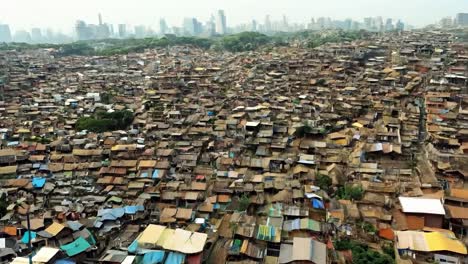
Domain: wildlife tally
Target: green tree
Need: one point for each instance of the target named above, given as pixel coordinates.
(103, 121)
(3, 204)
(303, 130)
(245, 41)
(76, 48)
(350, 192)
(244, 202)
(106, 98)
(362, 253)
(324, 182)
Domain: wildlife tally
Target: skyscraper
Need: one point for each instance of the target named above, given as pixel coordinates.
(321, 22)
(49, 35)
(347, 24)
(189, 26)
(221, 26)
(267, 24)
(140, 31)
(378, 23)
(389, 24)
(253, 25)
(82, 30)
(446, 22)
(163, 29)
(102, 29)
(368, 23)
(198, 27)
(122, 30)
(462, 19)
(36, 35)
(211, 26)
(22, 36)
(400, 26)
(5, 33)
(111, 29)
(312, 24)
(284, 24)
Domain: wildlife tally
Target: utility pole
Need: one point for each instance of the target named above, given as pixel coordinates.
(2, 88)
(29, 236)
(422, 116)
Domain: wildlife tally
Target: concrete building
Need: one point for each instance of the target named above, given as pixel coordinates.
(389, 25)
(267, 26)
(192, 27)
(140, 31)
(462, 19)
(36, 35)
(210, 27)
(163, 28)
(122, 30)
(368, 23)
(5, 33)
(446, 22)
(82, 30)
(253, 25)
(400, 26)
(22, 36)
(221, 26)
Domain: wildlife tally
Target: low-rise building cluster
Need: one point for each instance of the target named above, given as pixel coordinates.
(269, 156)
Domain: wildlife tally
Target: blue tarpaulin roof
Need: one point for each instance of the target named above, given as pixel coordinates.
(74, 225)
(111, 214)
(132, 209)
(65, 261)
(76, 247)
(116, 213)
(156, 256)
(175, 258)
(25, 238)
(133, 248)
(38, 182)
(155, 174)
(318, 204)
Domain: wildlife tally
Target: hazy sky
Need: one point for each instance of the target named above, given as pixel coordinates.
(62, 14)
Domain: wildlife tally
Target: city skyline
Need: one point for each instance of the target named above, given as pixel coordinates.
(61, 16)
(216, 25)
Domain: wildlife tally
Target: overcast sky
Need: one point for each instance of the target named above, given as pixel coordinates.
(62, 14)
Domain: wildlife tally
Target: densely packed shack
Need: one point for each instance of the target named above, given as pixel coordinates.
(348, 152)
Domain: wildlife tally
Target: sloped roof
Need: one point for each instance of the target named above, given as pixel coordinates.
(54, 228)
(457, 212)
(421, 205)
(303, 249)
(429, 242)
(76, 247)
(179, 240)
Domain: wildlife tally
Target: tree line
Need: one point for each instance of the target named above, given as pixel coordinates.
(245, 41)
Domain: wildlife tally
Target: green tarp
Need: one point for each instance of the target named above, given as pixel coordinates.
(76, 247)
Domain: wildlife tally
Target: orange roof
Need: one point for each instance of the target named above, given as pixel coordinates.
(10, 230)
(223, 198)
(387, 233)
(457, 212)
(459, 193)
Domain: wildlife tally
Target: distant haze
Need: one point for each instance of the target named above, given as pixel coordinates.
(62, 14)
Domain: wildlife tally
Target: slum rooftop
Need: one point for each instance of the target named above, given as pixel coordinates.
(185, 155)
